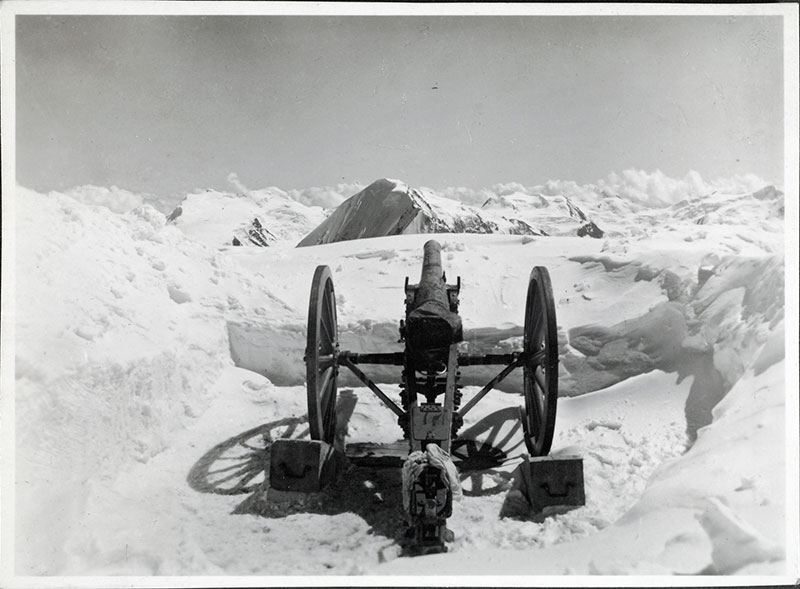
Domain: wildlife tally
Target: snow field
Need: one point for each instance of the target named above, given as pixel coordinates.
(607, 429)
(137, 421)
(150, 522)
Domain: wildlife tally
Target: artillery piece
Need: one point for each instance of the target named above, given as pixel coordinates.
(430, 412)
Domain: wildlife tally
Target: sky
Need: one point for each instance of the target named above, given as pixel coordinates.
(168, 104)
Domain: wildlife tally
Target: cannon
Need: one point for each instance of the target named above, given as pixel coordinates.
(429, 410)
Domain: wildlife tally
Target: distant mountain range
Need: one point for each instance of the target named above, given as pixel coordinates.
(391, 207)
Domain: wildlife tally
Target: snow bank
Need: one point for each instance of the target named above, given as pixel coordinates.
(120, 327)
(718, 509)
(733, 479)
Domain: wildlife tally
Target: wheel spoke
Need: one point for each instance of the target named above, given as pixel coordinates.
(323, 383)
(534, 415)
(538, 402)
(323, 412)
(328, 407)
(324, 305)
(538, 322)
(329, 339)
(537, 358)
(532, 405)
(329, 413)
(538, 374)
(330, 318)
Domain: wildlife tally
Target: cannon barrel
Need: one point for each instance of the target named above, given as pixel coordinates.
(430, 324)
(431, 283)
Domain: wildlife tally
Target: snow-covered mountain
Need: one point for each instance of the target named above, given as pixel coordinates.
(764, 207)
(553, 214)
(256, 218)
(390, 207)
(155, 364)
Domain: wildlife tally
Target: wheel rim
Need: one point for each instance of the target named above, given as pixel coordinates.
(540, 345)
(322, 347)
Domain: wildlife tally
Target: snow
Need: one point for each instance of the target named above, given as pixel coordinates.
(215, 218)
(650, 204)
(155, 363)
(627, 192)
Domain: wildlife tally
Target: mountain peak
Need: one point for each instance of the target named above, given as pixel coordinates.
(391, 207)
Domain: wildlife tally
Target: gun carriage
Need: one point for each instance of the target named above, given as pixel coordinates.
(429, 410)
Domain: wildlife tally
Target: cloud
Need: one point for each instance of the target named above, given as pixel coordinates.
(327, 197)
(568, 188)
(507, 188)
(650, 189)
(114, 198)
(656, 189)
(233, 180)
(739, 184)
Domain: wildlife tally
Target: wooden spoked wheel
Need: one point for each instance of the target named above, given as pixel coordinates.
(540, 344)
(322, 348)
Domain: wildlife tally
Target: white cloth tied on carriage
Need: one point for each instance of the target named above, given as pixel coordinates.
(432, 456)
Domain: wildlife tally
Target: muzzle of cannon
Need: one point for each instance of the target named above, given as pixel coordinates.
(432, 322)
(429, 410)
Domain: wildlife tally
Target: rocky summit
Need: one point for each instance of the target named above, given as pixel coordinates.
(390, 207)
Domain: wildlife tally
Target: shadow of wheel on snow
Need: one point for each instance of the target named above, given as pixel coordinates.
(372, 492)
(241, 464)
(482, 450)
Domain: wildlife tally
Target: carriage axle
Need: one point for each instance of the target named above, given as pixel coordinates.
(511, 362)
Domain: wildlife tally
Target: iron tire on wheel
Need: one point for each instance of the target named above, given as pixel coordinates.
(322, 348)
(540, 344)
